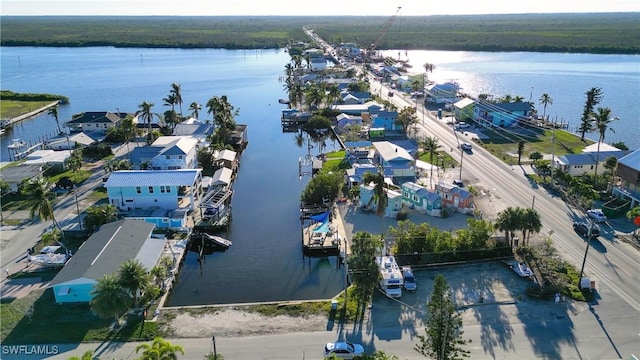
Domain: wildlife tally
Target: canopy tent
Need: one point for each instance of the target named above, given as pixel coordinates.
(320, 217)
(323, 228)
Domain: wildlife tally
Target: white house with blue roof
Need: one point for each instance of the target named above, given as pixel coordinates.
(394, 159)
(154, 189)
(167, 153)
(418, 197)
(585, 163)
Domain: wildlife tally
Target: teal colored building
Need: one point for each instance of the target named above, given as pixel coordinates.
(418, 197)
(103, 253)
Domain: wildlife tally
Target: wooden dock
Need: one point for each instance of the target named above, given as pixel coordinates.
(320, 244)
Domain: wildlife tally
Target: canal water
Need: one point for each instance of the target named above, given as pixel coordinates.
(265, 262)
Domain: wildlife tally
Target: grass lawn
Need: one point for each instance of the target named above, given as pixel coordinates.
(442, 159)
(13, 108)
(505, 145)
(68, 323)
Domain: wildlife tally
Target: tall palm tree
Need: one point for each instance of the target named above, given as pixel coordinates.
(520, 150)
(54, 112)
(379, 193)
(39, 197)
(314, 96)
(430, 145)
(109, 298)
(594, 96)
(159, 349)
(545, 100)
(531, 223)
(195, 109)
(133, 276)
(128, 131)
(333, 93)
(509, 220)
(602, 120)
(170, 100)
(428, 68)
(146, 115)
(177, 95)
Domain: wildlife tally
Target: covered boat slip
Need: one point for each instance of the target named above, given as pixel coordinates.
(320, 237)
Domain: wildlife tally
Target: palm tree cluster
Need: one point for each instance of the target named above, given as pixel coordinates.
(40, 199)
(512, 219)
(223, 114)
(115, 293)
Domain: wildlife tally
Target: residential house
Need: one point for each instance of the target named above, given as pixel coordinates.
(225, 159)
(585, 163)
(386, 120)
(358, 152)
(355, 174)
(463, 109)
(369, 202)
(419, 197)
(628, 187)
(455, 197)
(239, 138)
(370, 107)
(194, 129)
(442, 93)
(317, 61)
(102, 254)
(395, 160)
(49, 158)
(348, 120)
(349, 99)
(98, 121)
(354, 97)
(14, 175)
(154, 189)
(166, 153)
(223, 177)
(76, 140)
(501, 114)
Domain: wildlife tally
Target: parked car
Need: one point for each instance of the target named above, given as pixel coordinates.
(466, 147)
(409, 281)
(462, 125)
(597, 215)
(343, 350)
(582, 229)
(458, 183)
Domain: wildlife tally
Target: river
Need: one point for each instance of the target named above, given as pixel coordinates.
(265, 262)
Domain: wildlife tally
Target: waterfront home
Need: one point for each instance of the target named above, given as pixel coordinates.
(98, 121)
(370, 107)
(49, 158)
(386, 120)
(193, 128)
(463, 109)
(166, 153)
(77, 140)
(395, 159)
(442, 93)
(355, 174)
(239, 138)
(585, 163)
(501, 114)
(419, 197)
(628, 188)
(222, 178)
(154, 189)
(103, 253)
(455, 198)
(14, 175)
(225, 159)
(343, 120)
(369, 203)
(354, 97)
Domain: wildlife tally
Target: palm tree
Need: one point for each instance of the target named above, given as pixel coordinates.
(170, 100)
(133, 276)
(146, 115)
(195, 109)
(128, 131)
(88, 355)
(159, 349)
(109, 298)
(314, 96)
(602, 119)
(520, 150)
(39, 197)
(54, 112)
(177, 95)
(430, 145)
(223, 116)
(333, 93)
(379, 193)
(509, 221)
(530, 223)
(545, 100)
(594, 96)
(428, 68)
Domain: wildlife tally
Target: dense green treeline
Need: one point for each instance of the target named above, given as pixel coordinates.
(10, 95)
(616, 33)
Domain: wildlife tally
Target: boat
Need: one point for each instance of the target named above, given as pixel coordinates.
(217, 240)
(49, 259)
(520, 268)
(16, 144)
(284, 101)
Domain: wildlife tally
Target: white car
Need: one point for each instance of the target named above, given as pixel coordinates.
(597, 215)
(343, 350)
(466, 146)
(462, 125)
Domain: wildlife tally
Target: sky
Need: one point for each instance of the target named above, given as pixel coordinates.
(309, 7)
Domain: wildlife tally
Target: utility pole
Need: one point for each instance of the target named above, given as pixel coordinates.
(584, 260)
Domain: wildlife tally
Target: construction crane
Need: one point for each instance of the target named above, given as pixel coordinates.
(385, 29)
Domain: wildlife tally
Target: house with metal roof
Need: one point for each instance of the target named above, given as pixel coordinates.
(418, 197)
(154, 189)
(98, 121)
(368, 202)
(455, 197)
(396, 161)
(501, 114)
(222, 177)
(629, 174)
(442, 93)
(386, 120)
(69, 142)
(463, 109)
(585, 163)
(103, 253)
(166, 153)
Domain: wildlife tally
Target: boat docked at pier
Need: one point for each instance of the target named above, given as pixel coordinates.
(16, 144)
